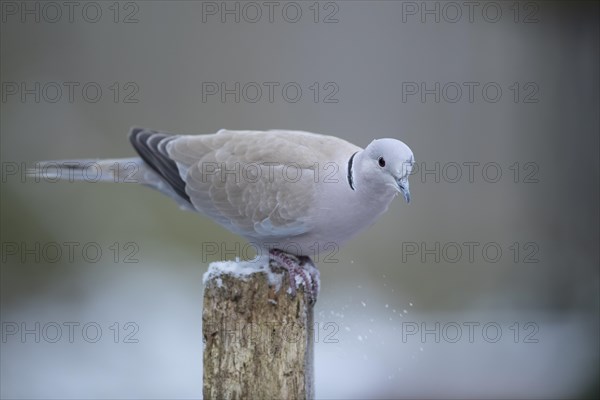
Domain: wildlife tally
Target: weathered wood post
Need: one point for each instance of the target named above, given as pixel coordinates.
(258, 340)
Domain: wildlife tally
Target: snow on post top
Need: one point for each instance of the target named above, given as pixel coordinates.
(240, 270)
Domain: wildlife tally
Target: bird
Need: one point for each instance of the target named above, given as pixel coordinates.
(289, 193)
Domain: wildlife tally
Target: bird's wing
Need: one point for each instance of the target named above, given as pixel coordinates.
(151, 146)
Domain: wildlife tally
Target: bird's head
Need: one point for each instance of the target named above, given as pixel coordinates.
(389, 162)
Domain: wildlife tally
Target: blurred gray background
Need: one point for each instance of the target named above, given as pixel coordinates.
(155, 60)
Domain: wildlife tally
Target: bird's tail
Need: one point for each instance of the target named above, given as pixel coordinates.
(119, 170)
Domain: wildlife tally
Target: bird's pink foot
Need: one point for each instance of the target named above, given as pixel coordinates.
(315, 276)
(298, 266)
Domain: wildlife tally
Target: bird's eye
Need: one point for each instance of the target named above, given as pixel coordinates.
(381, 162)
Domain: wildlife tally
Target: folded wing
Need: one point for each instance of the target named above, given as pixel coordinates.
(257, 184)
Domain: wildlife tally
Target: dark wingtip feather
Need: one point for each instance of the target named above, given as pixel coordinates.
(151, 146)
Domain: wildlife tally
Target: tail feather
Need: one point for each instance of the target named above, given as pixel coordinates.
(118, 170)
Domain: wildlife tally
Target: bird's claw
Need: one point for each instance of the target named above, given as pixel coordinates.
(299, 266)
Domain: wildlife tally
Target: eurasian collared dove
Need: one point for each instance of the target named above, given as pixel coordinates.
(291, 194)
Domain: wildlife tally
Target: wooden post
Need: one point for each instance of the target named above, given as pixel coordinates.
(258, 341)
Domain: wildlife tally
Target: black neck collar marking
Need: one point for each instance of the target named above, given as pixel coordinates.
(350, 177)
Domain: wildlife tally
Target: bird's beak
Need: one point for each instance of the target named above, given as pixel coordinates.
(403, 187)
